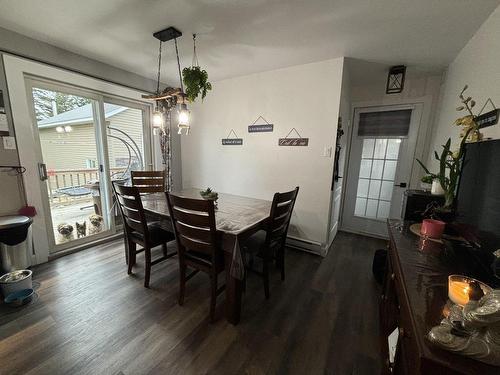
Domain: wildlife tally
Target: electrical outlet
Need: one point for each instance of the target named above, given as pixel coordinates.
(9, 143)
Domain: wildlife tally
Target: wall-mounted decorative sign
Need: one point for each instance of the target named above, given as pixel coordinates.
(260, 128)
(293, 141)
(235, 141)
(490, 118)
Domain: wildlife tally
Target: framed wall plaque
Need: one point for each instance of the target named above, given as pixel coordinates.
(232, 141)
(260, 128)
(288, 141)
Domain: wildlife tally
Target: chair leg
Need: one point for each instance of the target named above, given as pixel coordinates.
(213, 299)
(265, 276)
(182, 284)
(282, 264)
(147, 273)
(125, 240)
(132, 249)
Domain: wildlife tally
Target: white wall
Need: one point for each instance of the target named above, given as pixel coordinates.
(305, 97)
(477, 65)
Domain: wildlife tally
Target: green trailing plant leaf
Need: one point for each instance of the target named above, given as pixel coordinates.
(196, 82)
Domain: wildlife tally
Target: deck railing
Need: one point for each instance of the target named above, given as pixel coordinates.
(65, 178)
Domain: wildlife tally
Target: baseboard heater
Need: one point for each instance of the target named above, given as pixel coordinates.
(304, 245)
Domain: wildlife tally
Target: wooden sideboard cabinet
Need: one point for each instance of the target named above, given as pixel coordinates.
(415, 293)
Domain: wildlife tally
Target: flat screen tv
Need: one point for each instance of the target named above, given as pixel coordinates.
(478, 196)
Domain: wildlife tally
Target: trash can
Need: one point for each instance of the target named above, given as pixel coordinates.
(16, 244)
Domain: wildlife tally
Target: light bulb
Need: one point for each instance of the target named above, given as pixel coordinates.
(157, 119)
(60, 129)
(68, 129)
(183, 115)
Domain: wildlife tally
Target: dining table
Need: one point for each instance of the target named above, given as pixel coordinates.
(237, 218)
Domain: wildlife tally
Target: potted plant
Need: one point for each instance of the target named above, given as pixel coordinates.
(195, 82)
(426, 182)
(195, 79)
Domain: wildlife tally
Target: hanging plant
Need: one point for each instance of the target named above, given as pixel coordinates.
(195, 79)
(195, 82)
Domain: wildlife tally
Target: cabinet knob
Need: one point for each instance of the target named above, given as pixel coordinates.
(393, 276)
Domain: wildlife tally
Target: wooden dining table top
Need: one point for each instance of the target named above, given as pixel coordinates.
(234, 214)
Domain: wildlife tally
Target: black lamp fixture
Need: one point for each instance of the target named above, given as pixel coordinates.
(170, 97)
(396, 79)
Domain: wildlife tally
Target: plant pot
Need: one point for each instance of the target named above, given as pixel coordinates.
(436, 188)
(425, 186)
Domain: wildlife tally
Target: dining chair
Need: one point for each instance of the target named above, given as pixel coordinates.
(269, 244)
(138, 231)
(148, 181)
(197, 243)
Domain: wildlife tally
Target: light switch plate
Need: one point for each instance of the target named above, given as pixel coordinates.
(9, 143)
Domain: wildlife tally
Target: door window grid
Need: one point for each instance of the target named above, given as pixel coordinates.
(376, 177)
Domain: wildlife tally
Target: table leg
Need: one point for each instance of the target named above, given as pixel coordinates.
(234, 288)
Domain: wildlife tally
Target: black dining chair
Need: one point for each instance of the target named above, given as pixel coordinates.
(269, 244)
(139, 232)
(197, 243)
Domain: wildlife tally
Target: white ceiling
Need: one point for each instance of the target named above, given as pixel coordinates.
(238, 37)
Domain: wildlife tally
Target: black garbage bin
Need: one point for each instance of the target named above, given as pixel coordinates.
(16, 244)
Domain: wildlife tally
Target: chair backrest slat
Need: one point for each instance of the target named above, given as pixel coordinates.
(194, 224)
(281, 214)
(148, 181)
(129, 201)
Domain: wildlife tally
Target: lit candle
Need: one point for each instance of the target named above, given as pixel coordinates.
(458, 291)
(459, 288)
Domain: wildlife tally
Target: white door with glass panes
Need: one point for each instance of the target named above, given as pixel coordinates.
(380, 162)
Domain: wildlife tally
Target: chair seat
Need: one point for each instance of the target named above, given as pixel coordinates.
(157, 234)
(255, 244)
(205, 259)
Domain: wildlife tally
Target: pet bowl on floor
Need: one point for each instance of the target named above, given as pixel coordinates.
(19, 298)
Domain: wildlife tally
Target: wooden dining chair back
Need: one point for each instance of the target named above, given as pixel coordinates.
(130, 204)
(272, 247)
(197, 244)
(279, 218)
(148, 181)
(138, 231)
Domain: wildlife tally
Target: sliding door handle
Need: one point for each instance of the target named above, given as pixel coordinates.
(401, 184)
(42, 172)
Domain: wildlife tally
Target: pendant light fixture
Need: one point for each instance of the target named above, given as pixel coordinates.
(170, 97)
(158, 114)
(184, 114)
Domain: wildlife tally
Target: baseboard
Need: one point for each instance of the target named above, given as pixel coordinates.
(305, 245)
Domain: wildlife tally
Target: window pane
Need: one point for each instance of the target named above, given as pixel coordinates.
(380, 147)
(363, 187)
(390, 169)
(386, 190)
(374, 190)
(371, 208)
(367, 148)
(360, 208)
(365, 168)
(393, 149)
(378, 166)
(383, 209)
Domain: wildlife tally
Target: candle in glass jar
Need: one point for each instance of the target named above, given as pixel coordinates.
(459, 288)
(458, 292)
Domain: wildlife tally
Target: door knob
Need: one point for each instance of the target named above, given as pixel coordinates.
(401, 184)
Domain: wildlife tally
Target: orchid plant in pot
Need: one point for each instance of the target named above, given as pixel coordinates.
(450, 162)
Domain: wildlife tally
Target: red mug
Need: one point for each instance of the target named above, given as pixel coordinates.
(432, 228)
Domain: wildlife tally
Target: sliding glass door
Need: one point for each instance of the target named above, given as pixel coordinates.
(86, 141)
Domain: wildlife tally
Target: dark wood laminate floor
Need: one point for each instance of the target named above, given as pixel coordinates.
(92, 318)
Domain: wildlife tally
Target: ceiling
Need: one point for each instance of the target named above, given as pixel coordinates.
(237, 37)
